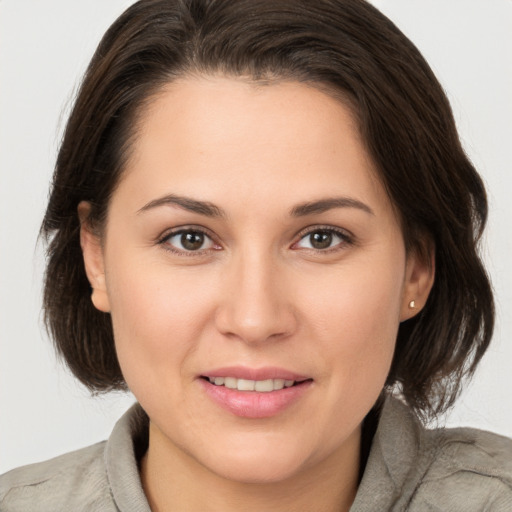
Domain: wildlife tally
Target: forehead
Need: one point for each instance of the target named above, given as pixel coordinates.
(227, 136)
(210, 109)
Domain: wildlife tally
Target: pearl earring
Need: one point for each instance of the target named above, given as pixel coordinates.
(412, 304)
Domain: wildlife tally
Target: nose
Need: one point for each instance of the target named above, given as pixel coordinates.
(255, 306)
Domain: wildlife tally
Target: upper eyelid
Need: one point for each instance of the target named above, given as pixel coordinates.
(347, 239)
(320, 227)
(181, 229)
(344, 233)
(163, 239)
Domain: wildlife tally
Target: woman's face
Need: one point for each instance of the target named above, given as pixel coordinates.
(250, 240)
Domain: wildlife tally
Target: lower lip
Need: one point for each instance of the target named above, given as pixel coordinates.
(254, 404)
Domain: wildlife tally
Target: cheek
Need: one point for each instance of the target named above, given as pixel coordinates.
(157, 319)
(357, 324)
(365, 296)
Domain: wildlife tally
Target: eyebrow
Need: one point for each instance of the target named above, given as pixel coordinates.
(193, 205)
(323, 205)
(211, 210)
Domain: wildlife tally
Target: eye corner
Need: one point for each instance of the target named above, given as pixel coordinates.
(191, 247)
(328, 234)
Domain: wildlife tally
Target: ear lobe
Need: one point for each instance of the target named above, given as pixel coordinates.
(419, 279)
(92, 252)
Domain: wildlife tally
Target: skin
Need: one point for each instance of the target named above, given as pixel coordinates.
(256, 294)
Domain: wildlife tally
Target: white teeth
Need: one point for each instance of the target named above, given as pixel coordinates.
(262, 386)
(279, 383)
(230, 382)
(245, 385)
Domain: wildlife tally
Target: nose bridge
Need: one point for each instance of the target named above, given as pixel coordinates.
(255, 306)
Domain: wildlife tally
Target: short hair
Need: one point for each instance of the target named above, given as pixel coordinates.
(344, 46)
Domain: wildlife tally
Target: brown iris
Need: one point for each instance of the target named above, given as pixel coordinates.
(320, 239)
(192, 240)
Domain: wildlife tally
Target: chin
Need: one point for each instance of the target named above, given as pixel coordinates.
(261, 465)
(257, 472)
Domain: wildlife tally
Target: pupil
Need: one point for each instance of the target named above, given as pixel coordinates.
(321, 239)
(192, 241)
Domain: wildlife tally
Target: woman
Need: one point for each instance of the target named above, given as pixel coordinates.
(262, 223)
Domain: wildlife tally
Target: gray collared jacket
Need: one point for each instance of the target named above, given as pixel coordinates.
(409, 468)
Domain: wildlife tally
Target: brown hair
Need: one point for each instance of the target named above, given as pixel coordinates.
(405, 119)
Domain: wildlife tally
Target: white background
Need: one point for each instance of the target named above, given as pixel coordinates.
(44, 48)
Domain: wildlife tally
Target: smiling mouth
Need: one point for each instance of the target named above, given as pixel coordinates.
(261, 386)
(267, 395)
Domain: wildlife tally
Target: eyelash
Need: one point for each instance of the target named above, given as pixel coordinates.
(346, 239)
(163, 241)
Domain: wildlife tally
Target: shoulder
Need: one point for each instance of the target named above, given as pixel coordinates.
(412, 468)
(468, 469)
(74, 481)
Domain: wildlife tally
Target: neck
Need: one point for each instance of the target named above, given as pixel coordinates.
(173, 480)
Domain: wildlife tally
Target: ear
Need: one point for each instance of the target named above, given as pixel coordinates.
(92, 252)
(419, 279)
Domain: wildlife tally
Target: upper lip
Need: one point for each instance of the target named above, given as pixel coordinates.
(263, 373)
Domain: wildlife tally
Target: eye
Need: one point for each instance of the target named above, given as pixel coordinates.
(188, 240)
(323, 239)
